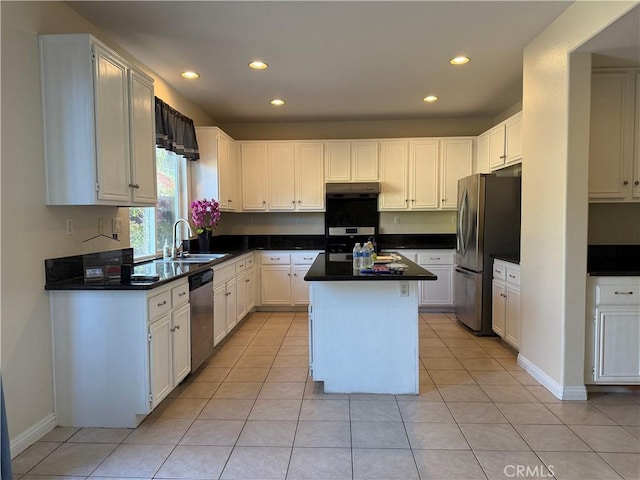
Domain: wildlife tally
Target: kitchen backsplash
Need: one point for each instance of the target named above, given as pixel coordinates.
(313, 223)
(614, 224)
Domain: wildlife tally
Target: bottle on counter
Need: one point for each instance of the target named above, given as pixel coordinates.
(357, 257)
(166, 249)
(367, 257)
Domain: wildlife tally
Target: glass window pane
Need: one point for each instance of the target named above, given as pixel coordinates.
(150, 226)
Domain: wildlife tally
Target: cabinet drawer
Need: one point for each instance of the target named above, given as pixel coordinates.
(241, 266)
(250, 262)
(617, 295)
(180, 295)
(499, 271)
(435, 258)
(275, 259)
(224, 273)
(304, 259)
(513, 275)
(160, 305)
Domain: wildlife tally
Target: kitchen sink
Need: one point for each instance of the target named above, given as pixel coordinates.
(195, 258)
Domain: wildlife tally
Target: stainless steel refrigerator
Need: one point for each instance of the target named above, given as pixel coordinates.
(488, 224)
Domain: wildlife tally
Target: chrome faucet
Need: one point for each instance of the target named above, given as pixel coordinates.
(177, 251)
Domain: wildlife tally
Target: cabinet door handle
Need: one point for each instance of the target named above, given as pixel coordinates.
(247, 281)
(182, 294)
(177, 327)
(625, 183)
(134, 185)
(274, 258)
(308, 258)
(503, 295)
(229, 200)
(293, 201)
(299, 201)
(434, 258)
(623, 293)
(172, 329)
(162, 303)
(637, 182)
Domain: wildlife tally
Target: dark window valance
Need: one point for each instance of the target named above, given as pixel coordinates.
(175, 132)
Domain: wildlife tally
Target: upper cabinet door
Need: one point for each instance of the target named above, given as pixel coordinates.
(424, 175)
(309, 171)
(364, 161)
(513, 139)
(394, 169)
(611, 136)
(112, 127)
(254, 172)
(281, 177)
(338, 161)
(143, 134)
(457, 159)
(497, 157)
(99, 114)
(636, 153)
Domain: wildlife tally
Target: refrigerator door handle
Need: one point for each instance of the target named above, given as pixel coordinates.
(462, 214)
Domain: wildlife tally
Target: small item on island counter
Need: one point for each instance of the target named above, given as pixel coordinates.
(383, 259)
(398, 267)
(367, 259)
(166, 249)
(357, 257)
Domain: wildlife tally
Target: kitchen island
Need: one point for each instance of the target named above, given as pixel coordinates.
(363, 327)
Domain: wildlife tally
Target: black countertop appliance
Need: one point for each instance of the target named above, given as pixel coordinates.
(351, 215)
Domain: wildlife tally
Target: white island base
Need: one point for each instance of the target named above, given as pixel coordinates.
(364, 336)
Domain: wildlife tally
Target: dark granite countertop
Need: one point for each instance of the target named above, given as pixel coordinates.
(325, 270)
(508, 257)
(67, 273)
(613, 260)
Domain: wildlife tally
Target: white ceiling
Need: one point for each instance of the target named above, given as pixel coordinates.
(332, 60)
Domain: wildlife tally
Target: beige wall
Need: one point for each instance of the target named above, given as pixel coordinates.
(614, 224)
(358, 129)
(554, 192)
(32, 231)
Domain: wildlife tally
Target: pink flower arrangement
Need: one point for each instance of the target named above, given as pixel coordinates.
(205, 215)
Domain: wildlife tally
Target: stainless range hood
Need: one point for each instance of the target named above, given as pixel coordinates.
(355, 189)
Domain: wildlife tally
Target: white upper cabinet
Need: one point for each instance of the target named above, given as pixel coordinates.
(351, 161)
(309, 171)
(394, 170)
(614, 160)
(283, 176)
(457, 162)
(99, 135)
(502, 144)
(482, 154)
(214, 175)
(254, 162)
(422, 174)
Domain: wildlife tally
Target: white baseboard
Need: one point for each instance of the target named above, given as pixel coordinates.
(34, 433)
(570, 392)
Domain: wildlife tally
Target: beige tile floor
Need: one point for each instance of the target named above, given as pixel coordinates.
(251, 412)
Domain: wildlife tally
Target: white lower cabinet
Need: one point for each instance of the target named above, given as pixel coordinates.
(505, 303)
(232, 296)
(282, 278)
(169, 341)
(139, 341)
(613, 331)
(434, 293)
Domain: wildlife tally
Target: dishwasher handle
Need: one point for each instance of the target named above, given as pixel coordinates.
(199, 279)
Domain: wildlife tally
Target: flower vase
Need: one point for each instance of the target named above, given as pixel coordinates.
(204, 241)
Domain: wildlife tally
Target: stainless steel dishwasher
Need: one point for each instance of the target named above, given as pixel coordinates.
(201, 299)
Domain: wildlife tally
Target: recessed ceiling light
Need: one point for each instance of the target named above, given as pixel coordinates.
(430, 98)
(258, 65)
(277, 102)
(459, 60)
(190, 75)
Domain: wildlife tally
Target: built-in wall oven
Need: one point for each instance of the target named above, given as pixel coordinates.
(201, 299)
(351, 215)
